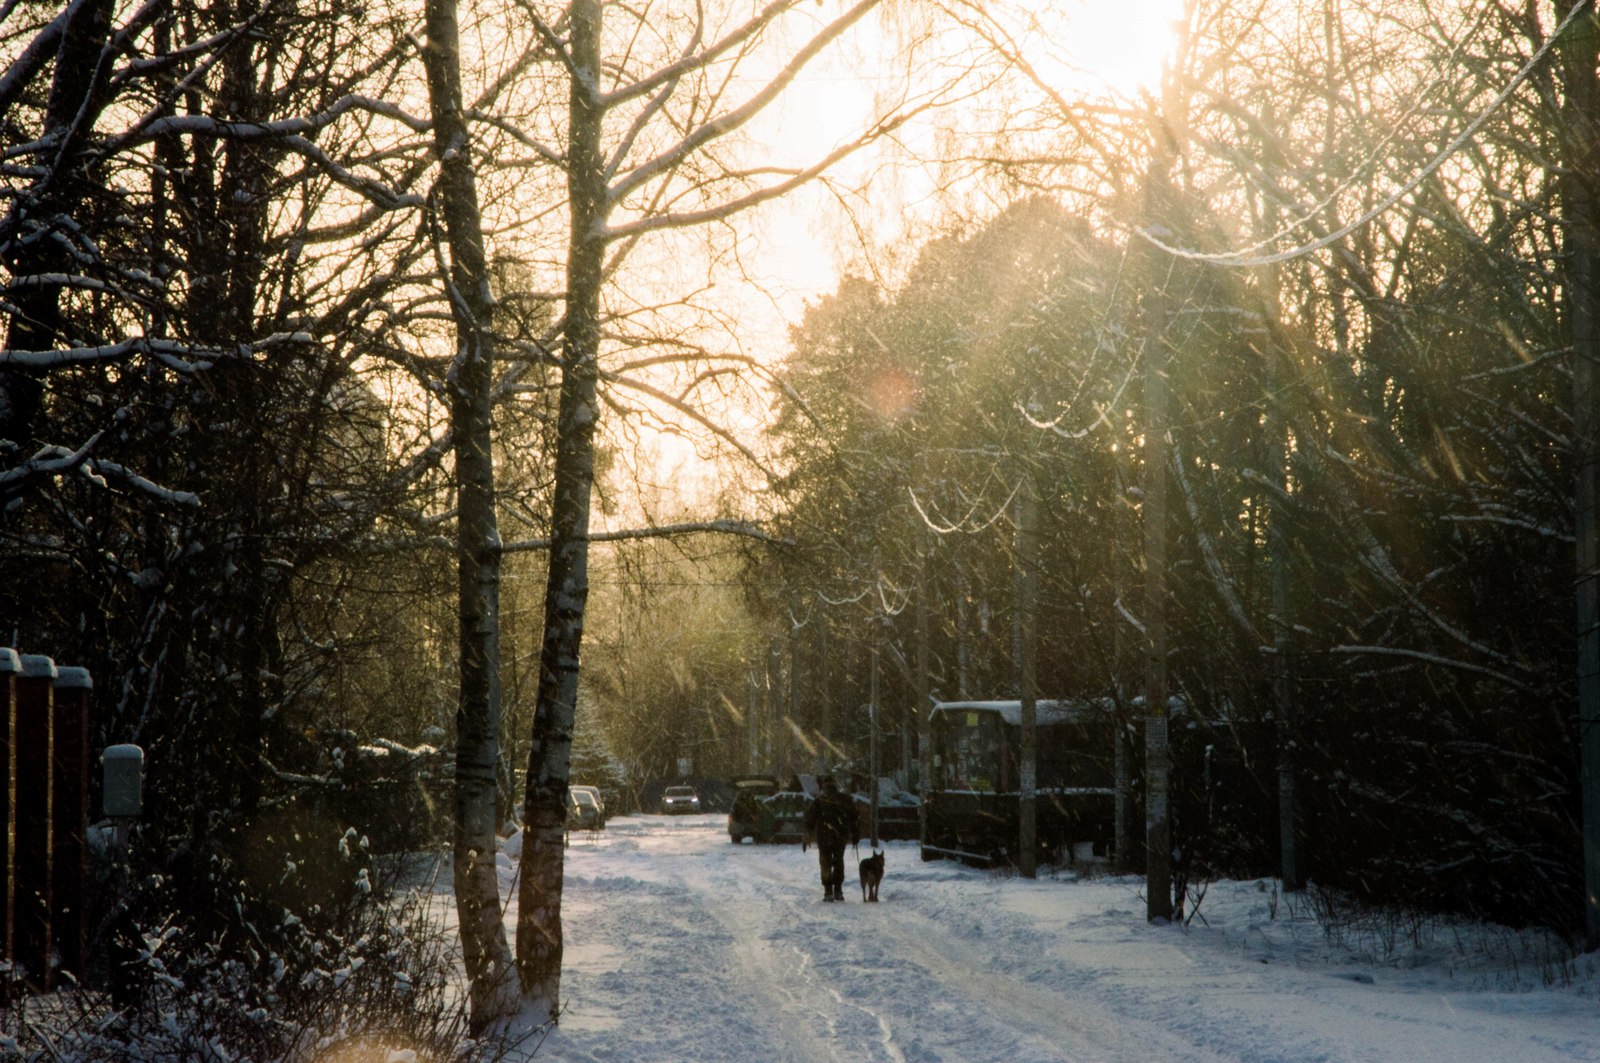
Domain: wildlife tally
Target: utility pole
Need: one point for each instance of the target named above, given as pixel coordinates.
(1027, 546)
(1157, 451)
(775, 703)
(1122, 751)
(1275, 459)
(963, 635)
(872, 755)
(924, 694)
(752, 726)
(1169, 129)
(829, 722)
(1580, 57)
(1291, 864)
(793, 720)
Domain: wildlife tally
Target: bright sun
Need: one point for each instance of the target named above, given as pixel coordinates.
(1119, 44)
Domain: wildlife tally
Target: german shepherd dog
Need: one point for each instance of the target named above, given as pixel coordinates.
(871, 872)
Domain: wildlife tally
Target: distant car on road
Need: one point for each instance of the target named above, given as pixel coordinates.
(583, 811)
(600, 801)
(679, 800)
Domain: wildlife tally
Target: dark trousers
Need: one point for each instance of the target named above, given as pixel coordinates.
(830, 858)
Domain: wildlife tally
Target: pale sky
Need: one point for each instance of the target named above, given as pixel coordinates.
(1083, 45)
(800, 245)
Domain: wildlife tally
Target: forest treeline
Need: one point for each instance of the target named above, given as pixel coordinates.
(323, 339)
(1369, 449)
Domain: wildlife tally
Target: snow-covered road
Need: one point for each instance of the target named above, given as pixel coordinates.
(681, 946)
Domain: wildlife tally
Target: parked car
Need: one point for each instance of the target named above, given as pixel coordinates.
(783, 816)
(678, 800)
(583, 811)
(744, 821)
(899, 811)
(599, 800)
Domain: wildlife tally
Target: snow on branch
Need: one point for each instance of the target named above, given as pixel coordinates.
(1133, 621)
(39, 51)
(175, 355)
(100, 471)
(57, 280)
(47, 462)
(843, 601)
(57, 460)
(966, 524)
(307, 125)
(1433, 658)
(745, 528)
(293, 135)
(179, 357)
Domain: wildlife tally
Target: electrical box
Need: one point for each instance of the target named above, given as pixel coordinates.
(123, 768)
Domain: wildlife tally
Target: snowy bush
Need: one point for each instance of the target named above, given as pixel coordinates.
(374, 978)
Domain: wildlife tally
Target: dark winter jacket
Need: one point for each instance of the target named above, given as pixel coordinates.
(831, 821)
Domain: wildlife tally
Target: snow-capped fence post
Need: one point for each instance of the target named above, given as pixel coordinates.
(10, 666)
(30, 939)
(70, 816)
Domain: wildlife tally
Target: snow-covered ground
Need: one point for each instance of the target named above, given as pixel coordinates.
(682, 946)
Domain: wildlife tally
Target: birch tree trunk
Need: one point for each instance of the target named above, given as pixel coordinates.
(539, 933)
(485, 951)
(595, 182)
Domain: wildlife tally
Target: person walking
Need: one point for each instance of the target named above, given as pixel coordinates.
(831, 823)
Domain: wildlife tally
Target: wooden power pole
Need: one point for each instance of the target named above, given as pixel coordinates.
(1027, 680)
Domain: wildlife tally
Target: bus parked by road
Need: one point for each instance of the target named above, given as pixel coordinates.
(972, 807)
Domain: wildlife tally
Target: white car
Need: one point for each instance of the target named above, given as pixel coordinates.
(600, 802)
(583, 812)
(678, 800)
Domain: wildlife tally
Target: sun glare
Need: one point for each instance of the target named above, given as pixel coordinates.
(1115, 44)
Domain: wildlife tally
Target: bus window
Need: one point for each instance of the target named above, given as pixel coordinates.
(971, 758)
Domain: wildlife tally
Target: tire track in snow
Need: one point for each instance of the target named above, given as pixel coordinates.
(766, 903)
(678, 917)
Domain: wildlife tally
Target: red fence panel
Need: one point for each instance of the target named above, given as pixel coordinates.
(70, 817)
(32, 813)
(10, 666)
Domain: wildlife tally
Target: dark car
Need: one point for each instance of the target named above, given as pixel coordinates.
(678, 800)
(744, 821)
(783, 816)
(899, 812)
